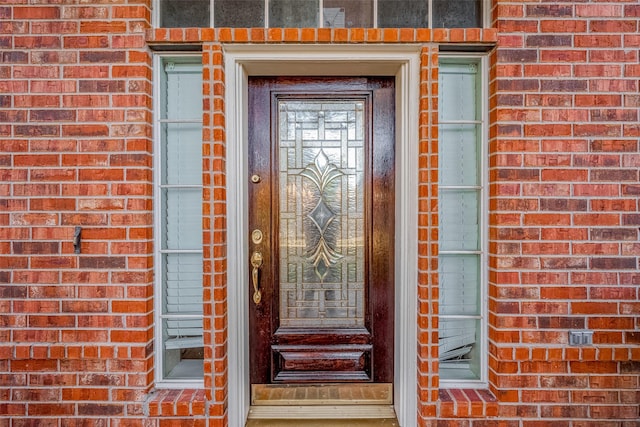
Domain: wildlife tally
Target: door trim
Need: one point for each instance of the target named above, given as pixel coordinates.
(401, 61)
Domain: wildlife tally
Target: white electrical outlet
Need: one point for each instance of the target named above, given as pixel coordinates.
(578, 338)
(587, 337)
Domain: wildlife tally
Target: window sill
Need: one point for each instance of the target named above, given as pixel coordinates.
(176, 403)
(467, 403)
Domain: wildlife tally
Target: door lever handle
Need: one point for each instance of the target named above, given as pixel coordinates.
(256, 263)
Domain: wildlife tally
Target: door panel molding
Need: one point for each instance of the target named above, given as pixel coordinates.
(403, 61)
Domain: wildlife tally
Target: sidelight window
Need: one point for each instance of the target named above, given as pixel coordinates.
(178, 220)
(322, 13)
(462, 208)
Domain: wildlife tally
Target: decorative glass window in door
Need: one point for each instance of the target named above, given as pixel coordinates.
(321, 217)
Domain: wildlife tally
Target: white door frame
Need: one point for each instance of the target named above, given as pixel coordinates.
(401, 61)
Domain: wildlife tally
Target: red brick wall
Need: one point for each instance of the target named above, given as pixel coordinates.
(564, 162)
(76, 331)
(75, 150)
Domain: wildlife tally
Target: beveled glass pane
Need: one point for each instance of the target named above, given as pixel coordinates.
(238, 13)
(293, 13)
(347, 13)
(459, 224)
(403, 13)
(321, 214)
(184, 13)
(457, 13)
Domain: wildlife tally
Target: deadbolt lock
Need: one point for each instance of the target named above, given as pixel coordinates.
(256, 236)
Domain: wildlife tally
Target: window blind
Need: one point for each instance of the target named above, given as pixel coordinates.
(180, 199)
(459, 204)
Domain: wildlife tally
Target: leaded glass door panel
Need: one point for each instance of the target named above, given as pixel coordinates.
(321, 219)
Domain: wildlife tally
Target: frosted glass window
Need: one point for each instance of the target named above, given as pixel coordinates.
(347, 13)
(239, 13)
(184, 13)
(325, 13)
(403, 13)
(460, 209)
(457, 13)
(178, 201)
(293, 13)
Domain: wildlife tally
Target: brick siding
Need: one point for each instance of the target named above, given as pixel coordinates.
(564, 217)
(76, 330)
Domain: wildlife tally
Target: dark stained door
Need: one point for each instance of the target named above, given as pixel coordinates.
(321, 229)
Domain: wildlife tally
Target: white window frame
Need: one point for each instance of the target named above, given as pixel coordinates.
(482, 60)
(485, 10)
(160, 381)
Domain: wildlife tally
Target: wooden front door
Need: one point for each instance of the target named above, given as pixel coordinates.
(321, 229)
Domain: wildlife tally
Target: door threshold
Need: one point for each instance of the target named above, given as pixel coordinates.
(318, 405)
(316, 412)
(380, 394)
(386, 422)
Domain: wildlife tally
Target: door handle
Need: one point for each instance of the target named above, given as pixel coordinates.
(256, 263)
